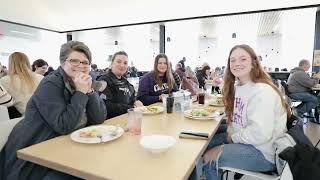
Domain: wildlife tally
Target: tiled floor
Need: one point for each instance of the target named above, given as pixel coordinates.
(312, 130)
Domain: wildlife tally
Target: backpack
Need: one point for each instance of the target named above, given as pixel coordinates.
(303, 157)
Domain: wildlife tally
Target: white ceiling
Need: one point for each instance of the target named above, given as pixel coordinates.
(62, 15)
(259, 24)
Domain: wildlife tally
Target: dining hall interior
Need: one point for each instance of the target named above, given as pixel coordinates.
(160, 90)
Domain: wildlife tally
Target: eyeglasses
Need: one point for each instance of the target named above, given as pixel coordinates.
(77, 62)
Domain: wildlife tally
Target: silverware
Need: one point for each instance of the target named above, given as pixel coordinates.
(205, 135)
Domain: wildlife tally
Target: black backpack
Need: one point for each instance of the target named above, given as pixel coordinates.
(303, 158)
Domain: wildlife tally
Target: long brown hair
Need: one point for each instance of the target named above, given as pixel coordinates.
(168, 74)
(19, 65)
(257, 75)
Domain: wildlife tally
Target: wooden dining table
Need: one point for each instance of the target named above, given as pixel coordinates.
(124, 158)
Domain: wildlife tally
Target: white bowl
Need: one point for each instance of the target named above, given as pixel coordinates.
(157, 143)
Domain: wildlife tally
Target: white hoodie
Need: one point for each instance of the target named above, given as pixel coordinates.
(258, 117)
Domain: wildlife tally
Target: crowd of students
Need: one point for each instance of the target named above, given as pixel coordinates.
(66, 100)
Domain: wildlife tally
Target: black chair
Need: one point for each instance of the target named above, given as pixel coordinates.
(286, 90)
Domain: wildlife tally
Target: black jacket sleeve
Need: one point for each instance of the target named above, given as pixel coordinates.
(96, 109)
(62, 116)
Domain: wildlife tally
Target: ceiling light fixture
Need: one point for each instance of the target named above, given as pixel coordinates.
(24, 33)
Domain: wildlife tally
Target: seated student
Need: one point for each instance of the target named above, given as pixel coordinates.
(119, 95)
(63, 102)
(187, 84)
(20, 82)
(257, 113)
(157, 82)
(299, 87)
(191, 75)
(203, 76)
(175, 76)
(39, 66)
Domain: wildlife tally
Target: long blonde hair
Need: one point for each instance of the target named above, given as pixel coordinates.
(19, 65)
(257, 75)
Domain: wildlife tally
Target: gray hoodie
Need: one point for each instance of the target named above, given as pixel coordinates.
(300, 81)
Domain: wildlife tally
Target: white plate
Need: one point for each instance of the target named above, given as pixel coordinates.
(188, 114)
(160, 109)
(157, 143)
(107, 132)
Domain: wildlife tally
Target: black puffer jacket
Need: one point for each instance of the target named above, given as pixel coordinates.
(119, 95)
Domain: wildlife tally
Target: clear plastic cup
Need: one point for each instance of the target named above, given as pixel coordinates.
(134, 121)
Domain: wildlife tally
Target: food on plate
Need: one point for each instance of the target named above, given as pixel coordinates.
(92, 133)
(151, 109)
(210, 109)
(216, 99)
(200, 113)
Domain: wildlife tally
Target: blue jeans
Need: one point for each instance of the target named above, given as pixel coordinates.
(309, 102)
(240, 156)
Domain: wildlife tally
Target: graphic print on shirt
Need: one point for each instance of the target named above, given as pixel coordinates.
(162, 88)
(238, 111)
(125, 90)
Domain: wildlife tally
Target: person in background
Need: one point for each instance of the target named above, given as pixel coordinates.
(176, 77)
(187, 84)
(50, 69)
(247, 92)
(215, 76)
(119, 95)
(299, 87)
(94, 72)
(204, 65)
(40, 66)
(222, 71)
(63, 103)
(21, 82)
(157, 82)
(134, 72)
(183, 62)
(191, 75)
(3, 71)
(203, 76)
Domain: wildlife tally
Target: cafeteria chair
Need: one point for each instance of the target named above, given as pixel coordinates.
(5, 130)
(4, 114)
(285, 174)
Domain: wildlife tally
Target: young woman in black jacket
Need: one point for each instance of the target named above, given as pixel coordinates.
(119, 95)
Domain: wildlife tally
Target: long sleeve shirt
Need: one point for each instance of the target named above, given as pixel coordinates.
(149, 91)
(258, 117)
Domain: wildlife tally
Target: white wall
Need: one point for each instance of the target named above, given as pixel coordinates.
(294, 41)
(184, 41)
(46, 46)
(135, 40)
(269, 47)
(298, 38)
